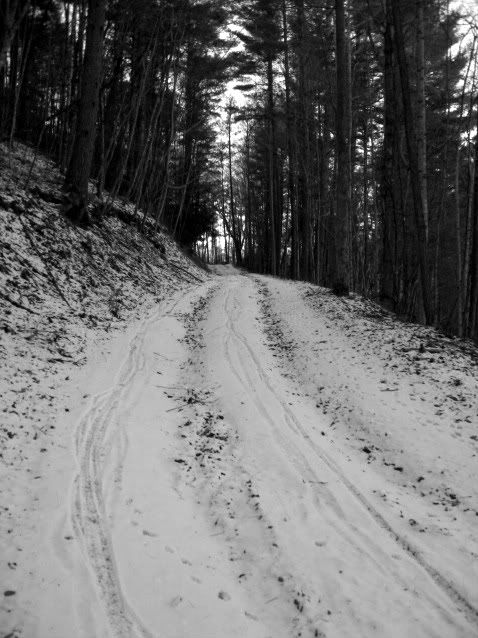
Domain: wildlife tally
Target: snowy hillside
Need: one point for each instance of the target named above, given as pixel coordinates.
(65, 292)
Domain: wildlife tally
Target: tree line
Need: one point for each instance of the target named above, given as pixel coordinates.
(355, 167)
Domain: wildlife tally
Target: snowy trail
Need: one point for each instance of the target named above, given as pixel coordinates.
(90, 516)
(101, 446)
(327, 537)
(212, 497)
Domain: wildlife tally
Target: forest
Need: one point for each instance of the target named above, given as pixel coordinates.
(326, 141)
(238, 318)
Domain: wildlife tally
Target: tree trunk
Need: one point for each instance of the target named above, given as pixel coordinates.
(469, 198)
(272, 204)
(248, 210)
(235, 225)
(76, 181)
(388, 186)
(473, 313)
(412, 148)
(421, 112)
(342, 214)
(294, 220)
(303, 143)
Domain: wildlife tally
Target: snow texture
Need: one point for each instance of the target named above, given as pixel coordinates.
(206, 455)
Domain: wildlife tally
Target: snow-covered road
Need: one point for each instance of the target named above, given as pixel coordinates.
(248, 465)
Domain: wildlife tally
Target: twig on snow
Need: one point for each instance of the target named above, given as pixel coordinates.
(18, 304)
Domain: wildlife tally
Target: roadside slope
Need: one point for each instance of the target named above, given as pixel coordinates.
(71, 299)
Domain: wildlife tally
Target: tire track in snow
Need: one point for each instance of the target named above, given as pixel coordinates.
(231, 335)
(468, 608)
(88, 511)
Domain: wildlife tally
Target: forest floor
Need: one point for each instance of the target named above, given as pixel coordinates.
(221, 455)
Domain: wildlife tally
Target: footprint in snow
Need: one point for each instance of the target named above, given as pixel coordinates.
(223, 595)
(177, 600)
(251, 616)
